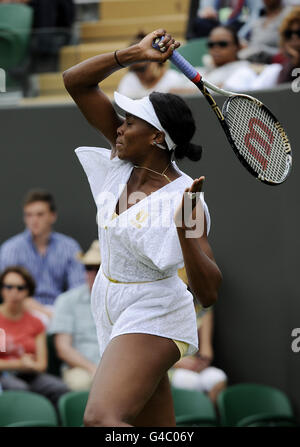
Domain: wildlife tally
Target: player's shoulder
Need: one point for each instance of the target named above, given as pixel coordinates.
(102, 151)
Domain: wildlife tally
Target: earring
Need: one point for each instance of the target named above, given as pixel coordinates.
(159, 145)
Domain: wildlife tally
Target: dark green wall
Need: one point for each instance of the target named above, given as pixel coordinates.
(254, 227)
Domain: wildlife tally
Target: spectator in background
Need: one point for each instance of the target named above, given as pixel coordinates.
(291, 2)
(223, 44)
(289, 58)
(52, 29)
(50, 257)
(222, 63)
(212, 13)
(290, 45)
(24, 362)
(195, 372)
(74, 328)
(264, 34)
(144, 77)
(255, 9)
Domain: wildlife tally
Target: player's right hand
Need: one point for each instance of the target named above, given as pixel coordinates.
(167, 45)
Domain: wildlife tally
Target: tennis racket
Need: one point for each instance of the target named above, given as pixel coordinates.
(254, 133)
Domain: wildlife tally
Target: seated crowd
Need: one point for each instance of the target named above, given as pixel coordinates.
(260, 53)
(266, 56)
(251, 45)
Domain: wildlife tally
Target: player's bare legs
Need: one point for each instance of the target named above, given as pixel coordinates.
(131, 385)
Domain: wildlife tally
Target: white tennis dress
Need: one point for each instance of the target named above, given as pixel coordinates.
(137, 289)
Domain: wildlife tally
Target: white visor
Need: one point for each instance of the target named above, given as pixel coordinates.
(143, 108)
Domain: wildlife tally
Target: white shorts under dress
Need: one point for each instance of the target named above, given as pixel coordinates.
(137, 288)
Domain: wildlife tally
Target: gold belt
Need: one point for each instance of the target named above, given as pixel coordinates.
(137, 282)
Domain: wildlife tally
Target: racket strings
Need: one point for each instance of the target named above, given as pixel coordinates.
(257, 138)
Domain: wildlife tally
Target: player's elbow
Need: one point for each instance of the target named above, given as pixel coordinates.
(68, 79)
(207, 299)
(72, 81)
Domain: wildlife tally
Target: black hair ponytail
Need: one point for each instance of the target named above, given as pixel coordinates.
(189, 150)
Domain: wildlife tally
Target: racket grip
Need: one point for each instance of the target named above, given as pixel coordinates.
(181, 63)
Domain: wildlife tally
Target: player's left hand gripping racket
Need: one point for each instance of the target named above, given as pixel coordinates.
(254, 133)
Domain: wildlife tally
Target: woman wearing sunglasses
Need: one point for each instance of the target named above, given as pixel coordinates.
(289, 57)
(24, 360)
(223, 46)
(222, 61)
(290, 44)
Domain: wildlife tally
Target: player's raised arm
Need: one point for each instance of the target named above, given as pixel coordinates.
(81, 81)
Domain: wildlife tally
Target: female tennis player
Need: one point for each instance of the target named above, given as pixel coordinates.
(149, 215)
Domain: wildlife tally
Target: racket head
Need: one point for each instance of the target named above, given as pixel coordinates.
(258, 139)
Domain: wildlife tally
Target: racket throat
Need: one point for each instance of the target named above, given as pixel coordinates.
(210, 100)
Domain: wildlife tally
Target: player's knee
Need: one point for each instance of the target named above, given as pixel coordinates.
(98, 417)
(93, 418)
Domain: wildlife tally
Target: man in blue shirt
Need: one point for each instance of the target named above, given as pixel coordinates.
(49, 256)
(74, 327)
